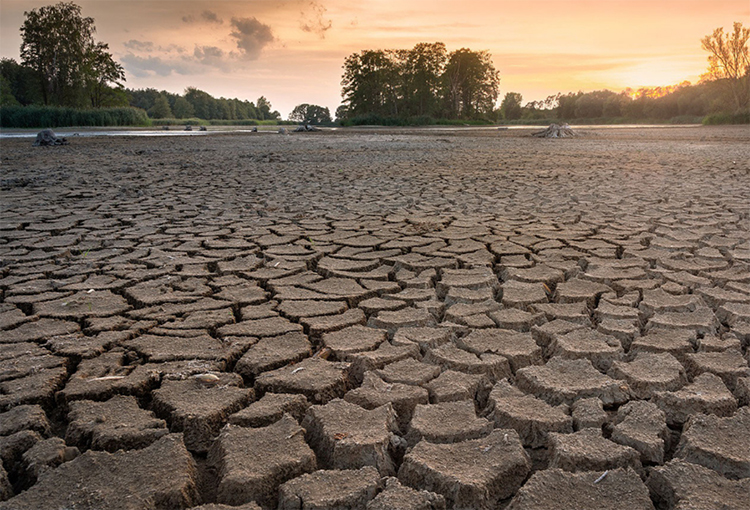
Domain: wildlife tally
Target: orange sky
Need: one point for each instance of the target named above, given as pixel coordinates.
(291, 51)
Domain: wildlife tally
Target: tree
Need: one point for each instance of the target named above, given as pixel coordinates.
(310, 114)
(6, 95)
(182, 108)
(58, 43)
(23, 82)
(370, 83)
(471, 83)
(161, 109)
(264, 110)
(729, 61)
(99, 70)
(510, 108)
(421, 70)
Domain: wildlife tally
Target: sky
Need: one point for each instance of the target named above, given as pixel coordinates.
(292, 51)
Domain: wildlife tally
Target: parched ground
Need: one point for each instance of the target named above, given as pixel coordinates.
(379, 319)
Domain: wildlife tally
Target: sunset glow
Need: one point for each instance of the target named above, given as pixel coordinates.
(292, 51)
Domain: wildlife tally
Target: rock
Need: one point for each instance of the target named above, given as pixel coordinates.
(47, 137)
(253, 462)
(588, 450)
(477, 473)
(555, 489)
(164, 472)
(330, 489)
(270, 409)
(684, 485)
(398, 497)
(642, 426)
(6, 490)
(447, 422)
(346, 436)
(119, 423)
(721, 444)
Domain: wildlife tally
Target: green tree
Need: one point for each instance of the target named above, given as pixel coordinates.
(728, 60)
(264, 110)
(161, 109)
(99, 71)
(182, 108)
(58, 44)
(6, 95)
(510, 108)
(310, 114)
(370, 83)
(421, 71)
(22, 80)
(471, 83)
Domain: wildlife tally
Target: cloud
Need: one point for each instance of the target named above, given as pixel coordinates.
(252, 36)
(136, 45)
(313, 20)
(206, 17)
(211, 17)
(211, 56)
(148, 66)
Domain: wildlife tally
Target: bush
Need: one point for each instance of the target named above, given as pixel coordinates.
(34, 116)
(727, 118)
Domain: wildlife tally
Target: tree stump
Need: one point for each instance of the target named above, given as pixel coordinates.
(556, 131)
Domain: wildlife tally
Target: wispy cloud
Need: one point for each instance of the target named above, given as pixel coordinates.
(204, 17)
(313, 20)
(133, 44)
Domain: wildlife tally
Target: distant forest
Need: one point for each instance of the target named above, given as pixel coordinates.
(426, 85)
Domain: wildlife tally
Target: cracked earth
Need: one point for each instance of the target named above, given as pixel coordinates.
(377, 320)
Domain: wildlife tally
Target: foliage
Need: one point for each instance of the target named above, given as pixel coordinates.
(727, 118)
(71, 68)
(310, 114)
(182, 108)
(37, 116)
(471, 83)
(422, 81)
(161, 109)
(728, 61)
(510, 108)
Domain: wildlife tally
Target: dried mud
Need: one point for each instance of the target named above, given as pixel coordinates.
(411, 319)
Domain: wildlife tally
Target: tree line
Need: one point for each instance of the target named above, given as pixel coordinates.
(425, 81)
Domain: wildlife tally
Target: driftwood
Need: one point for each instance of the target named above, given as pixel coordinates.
(556, 131)
(48, 137)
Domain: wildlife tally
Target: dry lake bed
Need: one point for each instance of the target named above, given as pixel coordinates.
(377, 319)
